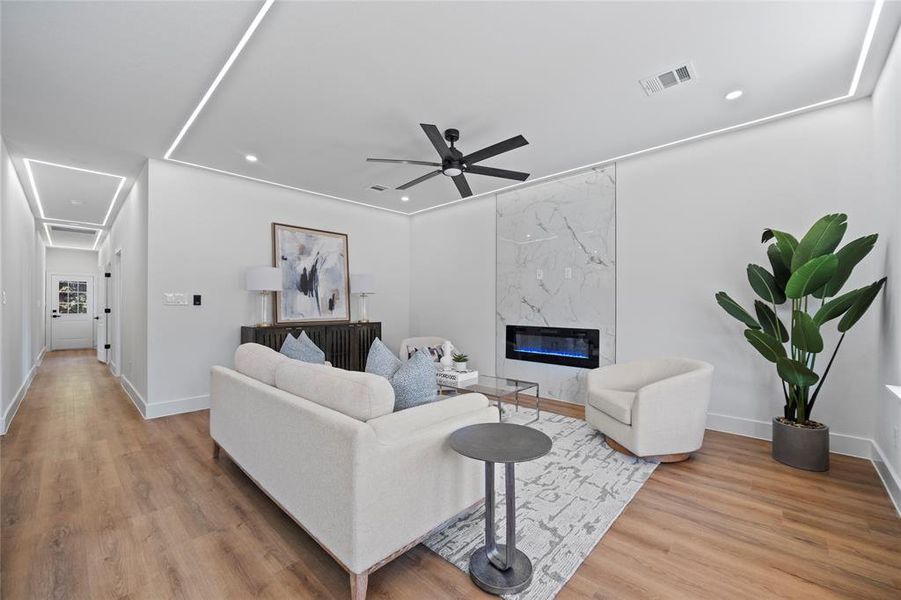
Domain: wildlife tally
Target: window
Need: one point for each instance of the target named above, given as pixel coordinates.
(73, 297)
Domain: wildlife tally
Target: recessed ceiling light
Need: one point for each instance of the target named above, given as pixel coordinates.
(251, 158)
(734, 95)
(76, 202)
(404, 198)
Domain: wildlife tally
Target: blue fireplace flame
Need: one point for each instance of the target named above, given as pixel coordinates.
(552, 352)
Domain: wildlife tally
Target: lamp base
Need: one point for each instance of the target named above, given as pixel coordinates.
(265, 319)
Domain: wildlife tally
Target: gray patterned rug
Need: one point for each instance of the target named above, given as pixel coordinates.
(565, 502)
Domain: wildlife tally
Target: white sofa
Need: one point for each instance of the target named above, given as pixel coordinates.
(365, 482)
(651, 408)
(418, 342)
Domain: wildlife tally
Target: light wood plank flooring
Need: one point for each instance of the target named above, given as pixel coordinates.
(97, 503)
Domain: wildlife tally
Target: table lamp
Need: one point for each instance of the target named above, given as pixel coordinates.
(264, 280)
(364, 285)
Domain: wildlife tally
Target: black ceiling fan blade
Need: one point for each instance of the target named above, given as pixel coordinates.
(418, 180)
(492, 172)
(462, 185)
(437, 140)
(404, 161)
(495, 149)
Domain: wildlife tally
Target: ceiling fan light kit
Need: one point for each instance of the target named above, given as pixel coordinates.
(455, 164)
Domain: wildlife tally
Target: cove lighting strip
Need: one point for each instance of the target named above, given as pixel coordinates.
(99, 233)
(37, 196)
(852, 90)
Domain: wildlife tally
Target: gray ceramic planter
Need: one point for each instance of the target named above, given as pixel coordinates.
(801, 447)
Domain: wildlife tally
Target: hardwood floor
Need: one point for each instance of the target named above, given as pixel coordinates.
(97, 503)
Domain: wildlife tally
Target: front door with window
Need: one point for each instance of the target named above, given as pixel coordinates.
(71, 305)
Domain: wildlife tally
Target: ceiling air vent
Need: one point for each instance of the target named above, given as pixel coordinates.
(671, 78)
(378, 187)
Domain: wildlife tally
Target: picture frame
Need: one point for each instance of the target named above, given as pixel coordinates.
(315, 270)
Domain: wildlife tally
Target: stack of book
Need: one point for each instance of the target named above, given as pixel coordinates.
(456, 378)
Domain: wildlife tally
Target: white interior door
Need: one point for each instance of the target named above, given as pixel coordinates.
(71, 304)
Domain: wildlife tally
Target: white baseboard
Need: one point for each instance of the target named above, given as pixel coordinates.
(889, 477)
(839, 443)
(40, 357)
(176, 407)
(135, 396)
(8, 416)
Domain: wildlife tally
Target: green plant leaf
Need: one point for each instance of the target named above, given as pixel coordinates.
(793, 372)
(764, 284)
(735, 310)
(848, 256)
(805, 333)
(785, 243)
(781, 272)
(811, 276)
(770, 322)
(767, 345)
(824, 236)
(837, 306)
(860, 305)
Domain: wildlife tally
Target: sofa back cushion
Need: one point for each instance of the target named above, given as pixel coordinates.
(361, 396)
(259, 362)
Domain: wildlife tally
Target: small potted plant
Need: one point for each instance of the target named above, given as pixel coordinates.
(806, 276)
(460, 361)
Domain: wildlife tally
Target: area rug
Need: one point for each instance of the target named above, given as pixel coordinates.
(565, 503)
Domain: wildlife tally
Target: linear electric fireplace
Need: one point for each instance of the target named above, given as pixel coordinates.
(554, 345)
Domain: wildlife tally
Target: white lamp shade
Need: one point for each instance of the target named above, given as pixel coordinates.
(362, 283)
(264, 279)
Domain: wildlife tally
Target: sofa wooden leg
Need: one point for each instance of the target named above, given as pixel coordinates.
(664, 458)
(215, 450)
(358, 584)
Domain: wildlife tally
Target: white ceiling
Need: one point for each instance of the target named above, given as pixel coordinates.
(68, 236)
(73, 195)
(322, 85)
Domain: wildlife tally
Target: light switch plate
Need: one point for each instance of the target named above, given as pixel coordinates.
(175, 299)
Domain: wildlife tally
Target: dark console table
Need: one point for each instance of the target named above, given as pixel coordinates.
(346, 345)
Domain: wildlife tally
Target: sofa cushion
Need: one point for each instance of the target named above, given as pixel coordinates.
(614, 403)
(381, 361)
(414, 382)
(435, 352)
(258, 361)
(302, 348)
(361, 396)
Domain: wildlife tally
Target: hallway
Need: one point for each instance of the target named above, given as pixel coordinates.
(98, 503)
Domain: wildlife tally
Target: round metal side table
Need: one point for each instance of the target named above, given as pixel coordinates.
(500, 568)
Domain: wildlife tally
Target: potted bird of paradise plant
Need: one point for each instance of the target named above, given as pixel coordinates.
(803, 282)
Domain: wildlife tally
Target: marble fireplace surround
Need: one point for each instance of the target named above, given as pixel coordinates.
(556, 267)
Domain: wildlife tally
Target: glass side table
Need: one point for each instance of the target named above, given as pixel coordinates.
(498, 388)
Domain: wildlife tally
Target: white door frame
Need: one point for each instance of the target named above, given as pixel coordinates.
(116, 307)
(48, 319)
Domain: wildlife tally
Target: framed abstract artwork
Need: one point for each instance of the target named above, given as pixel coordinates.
(315, 282)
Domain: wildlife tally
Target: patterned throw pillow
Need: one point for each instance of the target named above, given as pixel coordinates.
(302, 348)
(436, 352)
(414, 382)
(381, 361)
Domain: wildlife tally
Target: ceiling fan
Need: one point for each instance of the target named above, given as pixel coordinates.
(455, 164)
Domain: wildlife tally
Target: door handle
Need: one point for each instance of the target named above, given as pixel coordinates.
(96, 318)
(55, 316)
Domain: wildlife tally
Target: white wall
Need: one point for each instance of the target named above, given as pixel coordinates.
(129, 236)
(65, 260)
(887, 137)
(689, 221)
(453, 264)
(206, 229)
(20, 259)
